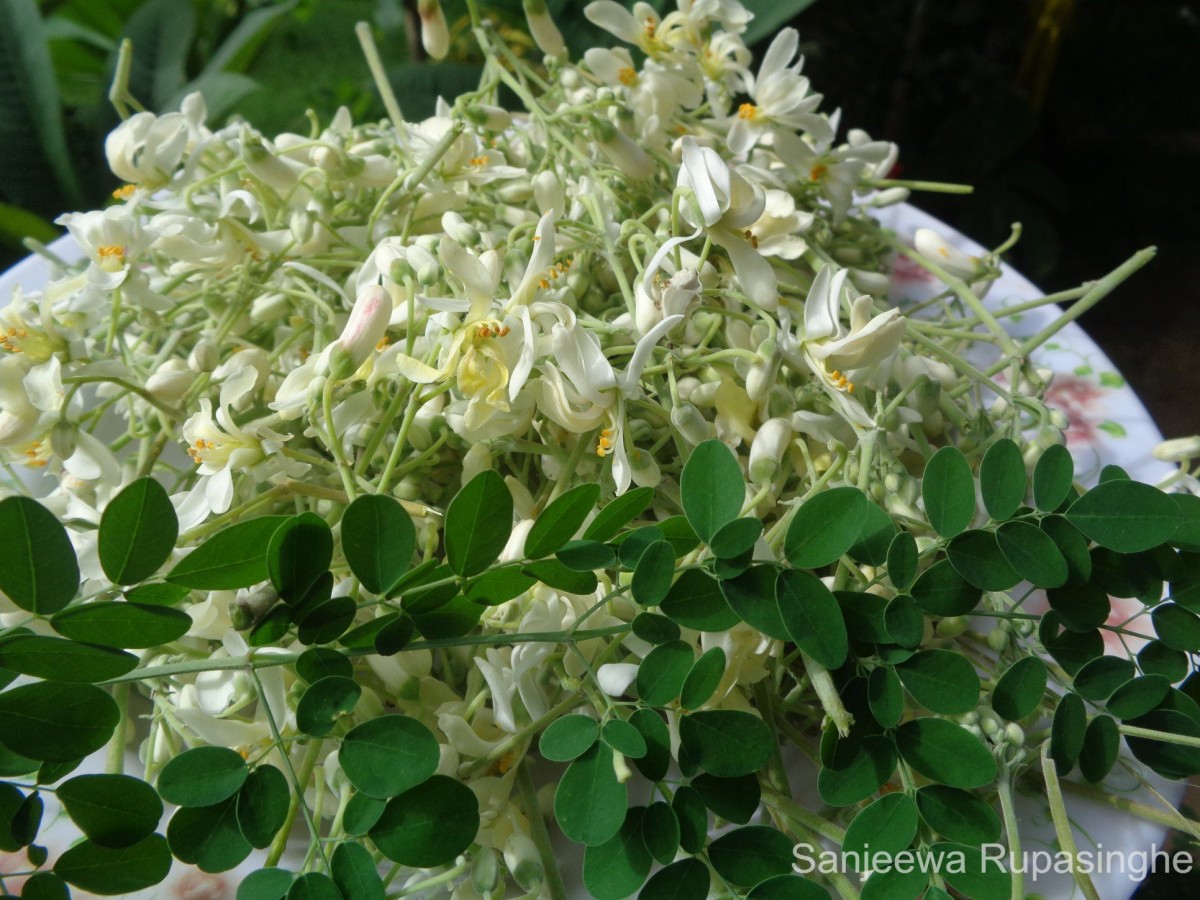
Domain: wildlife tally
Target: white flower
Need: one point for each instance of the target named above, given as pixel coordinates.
(779, 95)
(835, 172)
(146, 149)
(364, 330)
(727, 205)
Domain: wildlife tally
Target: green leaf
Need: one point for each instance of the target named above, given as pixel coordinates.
(45, 886)
(1171, 760)
(1187, 535)
(1053, 476)
(1156, 658)
(355, 873)
(324, 702)
(388, 755)
(875, 537)
(770, 16)
(40, 573)
(111, 810)
(887, 826)
(115, 624)
(560, 520)
(589, 803)
(301, 549)
(430, 824)
(1002, 481)
(1125, 516)
(736, 538)
(620, 511)
(711, 488)
(586, 556)
(109, 871)
(1070, 649)
(902, 557)
(1020, 689)
(752, 596)
(945, 752)
(1066, 732)
(326, 620)
(942, 681)
(319, 662)
(1032, 554)
(697, 601)
(811, 617)
(208, 837)
(977, 557)
(157, 593)
(980, 876)
(618, 867)
(234, 557)
(314, 886)
(654, 629)
(653, 574)
(733, 799)
(362, 812)
(378, 539)
(568, 738)
(56, 659)
(202, 776)
(941, 591)
(885, 696)
(958, 815)
(788, 887)
(478, 523)
(686, 879)
(825, 527)
(688, 806)
(623, 738)
(948, 490)
(56, 722)
(1137, 697)
(501, 584)
(1072, 545)
(553, 573)
(262, 805)
(650, 725)
(702, 679)
(1101, 743)
(1175, 626)
(33, 149)
(238, 49)
(663, 671)
(137, 532)
(660, 831)
(753, 853)
(726, 742)
(905, 621)
(265, 884)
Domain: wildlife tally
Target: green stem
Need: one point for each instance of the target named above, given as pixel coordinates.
(1062, 824)
(1012, 828)
(537, 830)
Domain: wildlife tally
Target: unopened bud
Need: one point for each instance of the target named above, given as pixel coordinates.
(523, 861)
(686, 419)
(435, 35)
(62, 439)
(459, 229)
(545, 33)
(623, 153)
(366, 327)
(485, 870)
(767, 449)
(1178, 449)
(204, 356)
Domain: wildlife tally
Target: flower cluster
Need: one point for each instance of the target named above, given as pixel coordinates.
(666, 245)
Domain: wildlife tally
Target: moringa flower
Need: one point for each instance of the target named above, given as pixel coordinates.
(364, 330)
(779, 97)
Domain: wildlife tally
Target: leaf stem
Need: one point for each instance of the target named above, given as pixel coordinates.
(537, 830)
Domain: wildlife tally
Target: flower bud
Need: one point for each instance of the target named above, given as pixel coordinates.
(889, 197)
(366, 327)
(933, 246)
(686, 419)
(485, 871)
(62, 439)
(204, 356)
(459, 229)
(545, 33)
(767, 450)
(170, 381)
(435, 35)
(1014, 734)
(424, 264)
(644, 468)
(522, 859)
(953, 626)
(1178, 449)
(621, 150)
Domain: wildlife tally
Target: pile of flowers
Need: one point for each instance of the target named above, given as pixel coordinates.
(405, 385)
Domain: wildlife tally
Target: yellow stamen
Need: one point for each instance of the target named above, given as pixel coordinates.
(627, 76)
(479, 162)
(817, 172)
(124, 192)
(748, 111)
